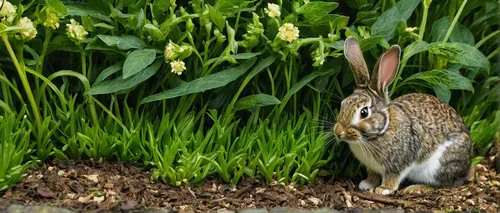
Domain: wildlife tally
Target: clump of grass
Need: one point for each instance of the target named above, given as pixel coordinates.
(15, 149)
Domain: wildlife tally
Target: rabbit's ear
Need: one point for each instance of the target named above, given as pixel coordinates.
(354, 56)
(385, 70)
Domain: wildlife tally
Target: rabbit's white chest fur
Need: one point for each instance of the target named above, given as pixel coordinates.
(366, 158)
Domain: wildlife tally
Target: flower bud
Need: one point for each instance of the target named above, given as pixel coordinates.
(189, 25)
(51, 19)
(174, 51)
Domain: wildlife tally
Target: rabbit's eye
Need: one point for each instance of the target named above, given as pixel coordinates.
(364, 112)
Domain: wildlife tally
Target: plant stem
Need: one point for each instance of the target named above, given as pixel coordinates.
(84, 61)
(424, 19)
(90, 99)
(271, 79)
(24, 80)
(448, 34)
(488, 37)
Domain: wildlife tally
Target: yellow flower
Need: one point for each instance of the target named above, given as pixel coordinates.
(288, 32)
(8, 11)
(30, 31)
(272, 10)
(76, 31)
(410, 29)
(178, 67)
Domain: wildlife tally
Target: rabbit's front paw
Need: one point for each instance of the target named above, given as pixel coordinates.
(381, 190)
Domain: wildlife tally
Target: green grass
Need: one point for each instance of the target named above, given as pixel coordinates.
(248, 103)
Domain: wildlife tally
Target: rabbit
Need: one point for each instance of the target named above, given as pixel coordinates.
(414, 137)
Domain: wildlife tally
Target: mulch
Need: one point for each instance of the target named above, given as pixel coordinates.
(103, 186)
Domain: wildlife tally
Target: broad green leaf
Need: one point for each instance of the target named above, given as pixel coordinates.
(256, 101)
(314, 10)
(137, 61)
(62, 42)
(58, 6)
(387, 22)
(77, 9)
(414, 48)
(208, 82)
(124, 42)
(264, 63)
(119, 84)
(371, 42)
(325, 20)
(442, 92)
(247, 55)
(452, 80)
(108, 72)
(459, 34)
(461, 53)
(154, 32)
(297, 86)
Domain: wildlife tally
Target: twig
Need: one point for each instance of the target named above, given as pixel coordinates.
(382, 199)
(242, 191)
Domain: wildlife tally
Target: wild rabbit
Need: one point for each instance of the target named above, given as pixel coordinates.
(416, 137)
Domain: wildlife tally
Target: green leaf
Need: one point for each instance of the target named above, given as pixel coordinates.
(119, 84)
(138, 60)
(124, 42)
(452, 80)
(442, 92)
(108, 72)
(387, 22)
(459, 34)
(369, 43)
(297, 86)
(461, 53)
(62, 42)
(476, 160)
(216, 17)
(414, 48)
(256, 101)
(208, 82)
(58, 6)
(240, 56)
(314, 10)
(77, 9)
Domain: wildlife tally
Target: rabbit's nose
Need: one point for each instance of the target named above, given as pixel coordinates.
(339, 131)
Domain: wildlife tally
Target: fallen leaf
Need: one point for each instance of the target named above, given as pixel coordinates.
(71, 195)
(76, 186)
(108, 186)
(86, 199)
(92, 177)
(45, 192)
(99, 199)
(314, 200)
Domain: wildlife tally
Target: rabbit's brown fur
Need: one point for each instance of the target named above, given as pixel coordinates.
(415, 137)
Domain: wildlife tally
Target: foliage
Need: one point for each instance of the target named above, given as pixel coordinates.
(15, 149)
(230, 88)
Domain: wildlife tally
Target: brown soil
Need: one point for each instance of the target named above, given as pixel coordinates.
(85, 186)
